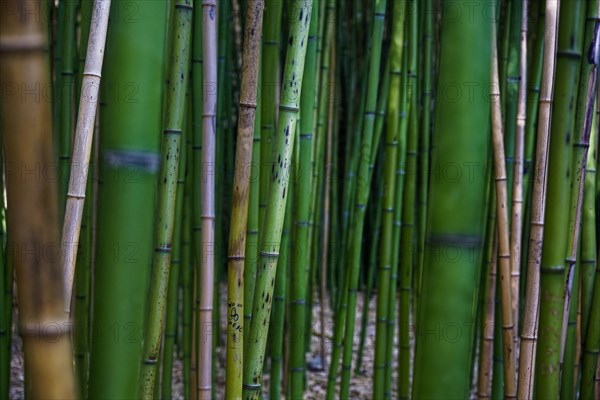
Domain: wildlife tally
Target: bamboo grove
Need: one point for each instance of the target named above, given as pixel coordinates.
(383, 199)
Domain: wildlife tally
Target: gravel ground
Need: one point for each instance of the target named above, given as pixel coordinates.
(361, 384)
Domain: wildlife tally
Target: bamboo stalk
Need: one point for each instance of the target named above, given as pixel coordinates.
(167, 194)
(32, 221)
(529, 331)
(207, 263)
(510, 385)
(300, 252)
(516, 222)
(275, 212)
(241, 191)
(82, 147)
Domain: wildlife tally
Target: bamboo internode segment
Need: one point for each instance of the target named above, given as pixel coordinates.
(204, 329)
(32, 209)
(82, 147)
(529, 331)
(241, 192)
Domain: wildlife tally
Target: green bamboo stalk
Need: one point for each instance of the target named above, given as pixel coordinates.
(457, 139)
(206, 274)
(174, 277)
(167, 190)
(553, 268)
(300, 251)
(398, 209)
(275, 213)
(125, 206)
(568, 359)
(407, 256)
(583, 123)
(270, 88)
(197, 104)
(187, 282)
(279, 299)
(424, 141)
(362, 194)
(241, 190)
(529, 331)
(67, 83)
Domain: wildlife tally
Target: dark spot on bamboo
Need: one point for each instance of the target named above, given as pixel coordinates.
(301, 13)
(291, 40)
(283, 195)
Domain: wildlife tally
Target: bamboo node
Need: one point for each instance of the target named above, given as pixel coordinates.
(248, 104)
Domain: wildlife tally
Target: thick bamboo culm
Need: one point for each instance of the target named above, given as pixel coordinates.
(206, 267)
(529, 330)
(83, 144)
(32, 205)
(241, 192)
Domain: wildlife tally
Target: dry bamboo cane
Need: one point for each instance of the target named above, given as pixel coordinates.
(486, 355)
(207, 264)
(32, 202)
(529, 331)
(580, 162)
(516, 225)
(241, 191)
(83, 144)
(510, 384)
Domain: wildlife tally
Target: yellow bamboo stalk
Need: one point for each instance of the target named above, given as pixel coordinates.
(83, 144)
(510, 384)
(529, 331)
(32, 200)
(239, 206)
(207, 264)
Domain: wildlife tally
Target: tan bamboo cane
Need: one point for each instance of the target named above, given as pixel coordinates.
(529, 331)
(82, 148)
(510, 384)
(240, 200)
(204, 329)
(32, 200)
(516, 225)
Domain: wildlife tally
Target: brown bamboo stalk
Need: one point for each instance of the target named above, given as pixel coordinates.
(486, 355)
(517, 201)
(529, 331)
(241, 191)
(207, 265)
(82, 147)
(510, 384)
(32, 200)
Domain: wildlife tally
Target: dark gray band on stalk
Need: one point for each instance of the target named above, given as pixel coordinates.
(145, 161)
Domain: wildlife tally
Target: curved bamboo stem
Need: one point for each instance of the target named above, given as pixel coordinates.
(83, 144)
(529, 331)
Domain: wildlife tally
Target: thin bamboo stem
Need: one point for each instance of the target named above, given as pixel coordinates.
(510, 386)
(83, 145)
(529, 331)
